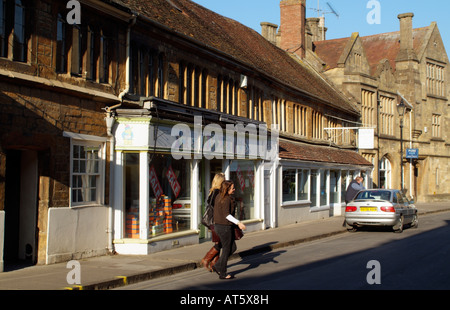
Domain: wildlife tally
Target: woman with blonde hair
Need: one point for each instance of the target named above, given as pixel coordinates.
(213, 254)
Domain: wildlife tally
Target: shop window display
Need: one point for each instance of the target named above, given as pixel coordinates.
(170, 198)
(242, 173)
(170, 195)
(131, 195)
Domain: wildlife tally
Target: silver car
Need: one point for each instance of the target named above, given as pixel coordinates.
(381, 207)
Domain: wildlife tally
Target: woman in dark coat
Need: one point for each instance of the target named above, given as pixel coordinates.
(223, 225)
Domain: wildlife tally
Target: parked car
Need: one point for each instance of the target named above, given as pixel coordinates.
(381, 207)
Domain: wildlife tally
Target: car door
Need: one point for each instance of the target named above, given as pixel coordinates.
(398, 202)
(409, 212)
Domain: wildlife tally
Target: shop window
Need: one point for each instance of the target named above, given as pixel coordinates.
(86, 173)
(242, 173)
(323, 187)
(289, 188)
(313, 187)
(131, 161)
(303, 184)
(170, 195)
(334, 186)
(295, 185)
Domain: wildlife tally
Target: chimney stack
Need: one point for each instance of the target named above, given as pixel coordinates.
(406, 38)
(293, 26)
(269, 32)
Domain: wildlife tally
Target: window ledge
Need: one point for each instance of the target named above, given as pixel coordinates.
(156, 239)
(299, 203)
(321, 208)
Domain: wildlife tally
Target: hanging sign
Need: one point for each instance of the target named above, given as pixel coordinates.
(154, 183)
(176, 188)
(366, 139)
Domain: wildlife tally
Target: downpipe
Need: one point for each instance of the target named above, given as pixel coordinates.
(110, 120)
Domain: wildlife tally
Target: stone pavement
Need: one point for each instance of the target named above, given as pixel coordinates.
(117, 270)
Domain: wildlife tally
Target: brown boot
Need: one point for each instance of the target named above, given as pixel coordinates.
(208, 257)
(213, 262)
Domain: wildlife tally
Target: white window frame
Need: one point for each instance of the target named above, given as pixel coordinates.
(88, 140)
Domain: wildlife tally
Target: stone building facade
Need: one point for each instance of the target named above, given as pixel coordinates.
(377, 73)
(56, 80)
(380, 72)
(87, 114)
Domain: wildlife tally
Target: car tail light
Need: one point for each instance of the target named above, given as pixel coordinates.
(350, 209)
(388, 209)
(177, 206)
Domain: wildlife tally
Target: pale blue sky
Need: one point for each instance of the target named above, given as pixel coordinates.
(352, 14)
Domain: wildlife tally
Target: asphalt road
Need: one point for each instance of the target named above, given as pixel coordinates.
(370, 259)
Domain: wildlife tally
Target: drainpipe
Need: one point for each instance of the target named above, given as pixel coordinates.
(110, 119)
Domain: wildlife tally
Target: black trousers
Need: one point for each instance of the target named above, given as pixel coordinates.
(226, 235)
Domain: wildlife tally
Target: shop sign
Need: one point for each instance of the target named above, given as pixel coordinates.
(154, 183)
(176, 188)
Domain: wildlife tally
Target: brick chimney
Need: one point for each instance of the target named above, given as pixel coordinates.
(406, 51)
(293, 26)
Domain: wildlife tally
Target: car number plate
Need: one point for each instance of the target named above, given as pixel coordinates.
(369, 209)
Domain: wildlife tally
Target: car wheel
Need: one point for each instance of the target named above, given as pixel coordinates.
(398, 228)
(415, 221)
(352, 228)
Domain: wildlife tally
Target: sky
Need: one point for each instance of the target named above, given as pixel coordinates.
(354, 15)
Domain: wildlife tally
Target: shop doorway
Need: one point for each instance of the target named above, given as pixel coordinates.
(209, 169)
(20, 248)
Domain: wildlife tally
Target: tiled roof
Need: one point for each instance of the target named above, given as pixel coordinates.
(238, 42)
(377, 47)
(314, 153)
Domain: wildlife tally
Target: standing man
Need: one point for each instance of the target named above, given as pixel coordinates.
(354, 188)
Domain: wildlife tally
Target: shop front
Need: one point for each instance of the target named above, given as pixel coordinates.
(314, 179)
(159, 196)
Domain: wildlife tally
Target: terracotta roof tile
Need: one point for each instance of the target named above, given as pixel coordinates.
(307, 152)
(238, 42)
(377, 47)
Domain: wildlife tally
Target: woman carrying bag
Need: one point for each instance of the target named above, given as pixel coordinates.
(224, 222)
(208, 220)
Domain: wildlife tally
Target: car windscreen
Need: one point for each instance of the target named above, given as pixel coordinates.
(378, 195)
